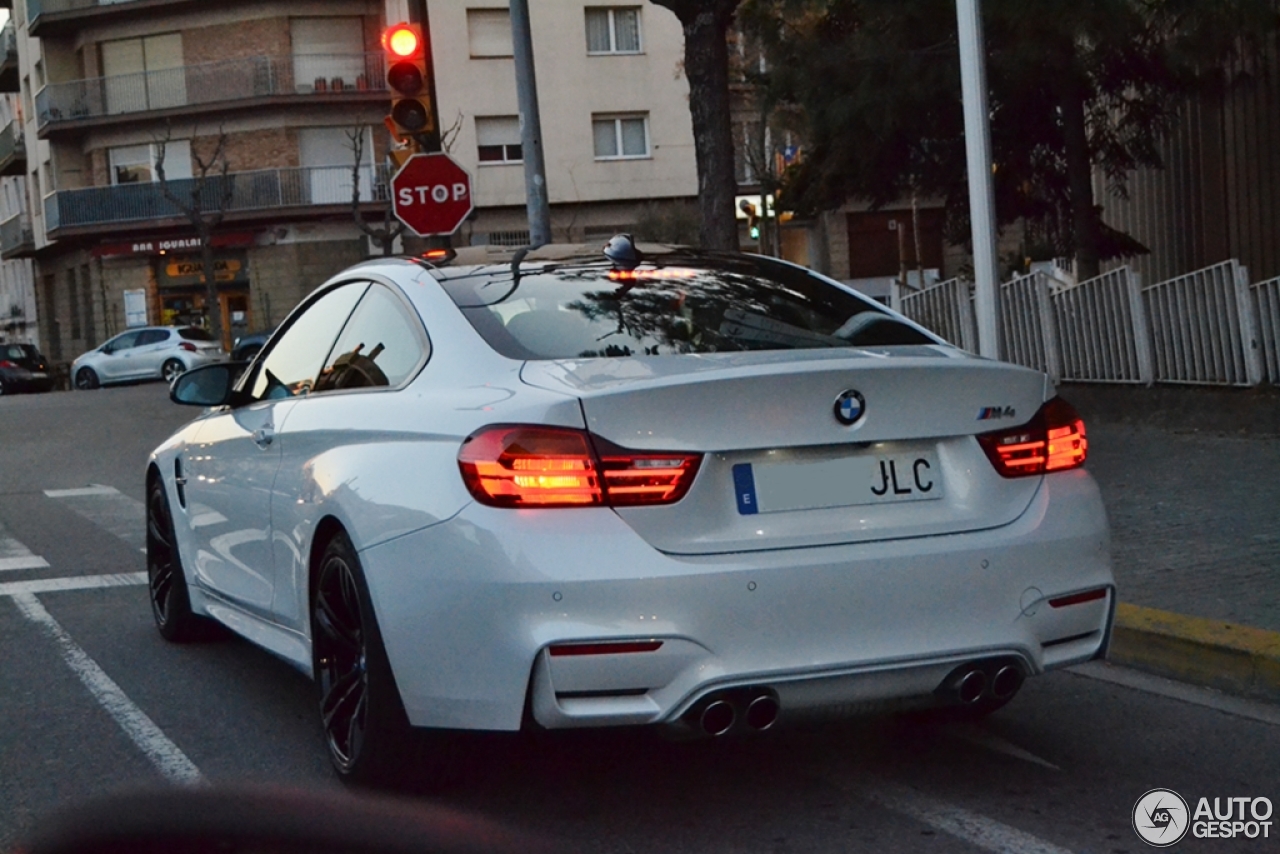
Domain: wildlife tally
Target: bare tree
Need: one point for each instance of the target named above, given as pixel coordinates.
(392, 228)
(204, 206)
(706, 64)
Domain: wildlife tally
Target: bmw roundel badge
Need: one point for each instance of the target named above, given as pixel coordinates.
(849, 406)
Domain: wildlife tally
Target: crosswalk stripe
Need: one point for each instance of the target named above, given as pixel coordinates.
(74, 582)
(83, 491)
(14, 555)
(109, 509)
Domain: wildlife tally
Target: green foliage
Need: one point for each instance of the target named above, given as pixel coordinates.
(877, 86)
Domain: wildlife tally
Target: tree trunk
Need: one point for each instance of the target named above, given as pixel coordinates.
(212, 306)
(1084, 220)
(706, 64)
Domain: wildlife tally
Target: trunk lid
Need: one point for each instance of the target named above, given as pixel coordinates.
(781, 471)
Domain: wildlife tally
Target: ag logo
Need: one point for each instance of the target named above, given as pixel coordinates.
(1160, 818)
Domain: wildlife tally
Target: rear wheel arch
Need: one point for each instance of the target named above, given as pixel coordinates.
(328, 528)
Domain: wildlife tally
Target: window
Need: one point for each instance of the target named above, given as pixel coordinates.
(144, 74)
(498, 139)
(382, 345)
(292, 364)
(328, 54)
(489, 33)
(613, 30)
(621, 136)
(136, 164)
(153, 336)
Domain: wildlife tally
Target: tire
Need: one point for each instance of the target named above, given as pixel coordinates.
(172, 369)
(166, 581)
(86, 379)
(365, 726)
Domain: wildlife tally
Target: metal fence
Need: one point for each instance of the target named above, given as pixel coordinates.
(945, 308)
(249, 191)
(1210, 327)
(1103, 330)
(15, 234)
(210, 83)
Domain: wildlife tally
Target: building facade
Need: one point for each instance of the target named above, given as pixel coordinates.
(254, 109)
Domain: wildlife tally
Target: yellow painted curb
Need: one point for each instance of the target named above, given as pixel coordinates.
(1237, 659)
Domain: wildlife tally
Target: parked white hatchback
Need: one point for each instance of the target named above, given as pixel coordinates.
(651, 486)
(148, 352)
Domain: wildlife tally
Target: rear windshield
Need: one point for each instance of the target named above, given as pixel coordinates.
(17, 351)
(195, 333)
(731, 304)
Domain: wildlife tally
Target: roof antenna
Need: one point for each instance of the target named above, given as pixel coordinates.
(621, 250)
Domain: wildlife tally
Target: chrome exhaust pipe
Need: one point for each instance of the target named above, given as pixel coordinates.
(1007, 681)
(717, 718)
(762, 712)
(970, 686)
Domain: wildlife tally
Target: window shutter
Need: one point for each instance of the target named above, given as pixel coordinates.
(489, 32)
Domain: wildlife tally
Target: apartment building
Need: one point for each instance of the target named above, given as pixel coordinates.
(112, 94)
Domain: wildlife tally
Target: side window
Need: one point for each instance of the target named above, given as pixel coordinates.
(382, 345)
(291, 366)
(123, 342)
(152, 336)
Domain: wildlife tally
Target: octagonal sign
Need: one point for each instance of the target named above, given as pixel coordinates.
(431, 194)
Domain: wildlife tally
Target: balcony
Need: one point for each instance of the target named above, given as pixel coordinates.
(16, 238)
(13, 150)
(9, 59)
(264, 195)
(54, 18)
(256, 82)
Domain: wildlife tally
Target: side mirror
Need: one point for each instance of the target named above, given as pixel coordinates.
(210, 385)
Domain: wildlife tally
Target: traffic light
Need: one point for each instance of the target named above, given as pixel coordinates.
(408, 76)
(753, 218)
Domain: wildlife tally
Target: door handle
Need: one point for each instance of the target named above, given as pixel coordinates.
(263, 436)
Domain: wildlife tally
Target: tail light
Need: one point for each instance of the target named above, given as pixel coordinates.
(1054, 440)
(7, 364)
(188, 346)
(525, 466)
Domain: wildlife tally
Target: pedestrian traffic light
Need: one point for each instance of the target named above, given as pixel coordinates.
(408, 76)
(753, 218)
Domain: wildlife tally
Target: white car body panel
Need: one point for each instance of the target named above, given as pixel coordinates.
(825, 607)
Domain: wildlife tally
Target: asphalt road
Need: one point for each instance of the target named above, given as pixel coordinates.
(92, 700)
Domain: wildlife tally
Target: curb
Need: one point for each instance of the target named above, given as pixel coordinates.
(1238, 660)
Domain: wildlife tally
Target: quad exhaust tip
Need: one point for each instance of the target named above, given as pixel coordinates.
(762, 712)
(717, 718)
(1007, 681)
(970, 686)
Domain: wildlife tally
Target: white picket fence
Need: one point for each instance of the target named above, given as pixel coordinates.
(1209, 327)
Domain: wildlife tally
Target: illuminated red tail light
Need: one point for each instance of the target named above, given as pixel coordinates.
(188, 346)
(7, 364)
(525, 466)
(1054, 440)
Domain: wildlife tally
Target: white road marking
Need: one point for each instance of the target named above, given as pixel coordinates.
(976, 829)
(32, 562)
(109, 509)
(75, 582)
(14, 555)
(976, 735)
(96, 489)
(1254, 710)
(166, 756)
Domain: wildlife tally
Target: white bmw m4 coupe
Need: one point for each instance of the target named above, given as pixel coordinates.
(644, 486)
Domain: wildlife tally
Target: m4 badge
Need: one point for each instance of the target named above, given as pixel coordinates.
(987, 413)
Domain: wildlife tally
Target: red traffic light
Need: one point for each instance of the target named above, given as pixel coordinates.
(402, 40)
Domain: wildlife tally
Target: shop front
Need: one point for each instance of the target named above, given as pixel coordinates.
(184, 298)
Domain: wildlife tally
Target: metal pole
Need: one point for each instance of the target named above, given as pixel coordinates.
(430, 141)
(535, 172)
(982, 201)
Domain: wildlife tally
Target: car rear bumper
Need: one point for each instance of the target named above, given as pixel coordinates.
(19, 381)
(471, 607)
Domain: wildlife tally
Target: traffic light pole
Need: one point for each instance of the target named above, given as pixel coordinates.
(427, 142)
(535, 172)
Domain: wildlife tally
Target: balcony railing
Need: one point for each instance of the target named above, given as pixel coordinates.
(8, 58)
(13, 149)
(16, 237)
(257, 191)
(254, 77)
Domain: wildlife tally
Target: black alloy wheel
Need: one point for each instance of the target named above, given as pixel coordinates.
(167, 584)
(364, 722)
(86, 379)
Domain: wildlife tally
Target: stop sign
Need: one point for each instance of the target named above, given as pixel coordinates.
(431, 194)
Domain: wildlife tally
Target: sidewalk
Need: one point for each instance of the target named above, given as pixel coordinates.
(1191, 480)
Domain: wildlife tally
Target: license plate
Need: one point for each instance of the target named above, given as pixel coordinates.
(39, 375)
(844, 482)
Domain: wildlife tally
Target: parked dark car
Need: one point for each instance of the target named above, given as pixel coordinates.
(247, 346)
(22, 368)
